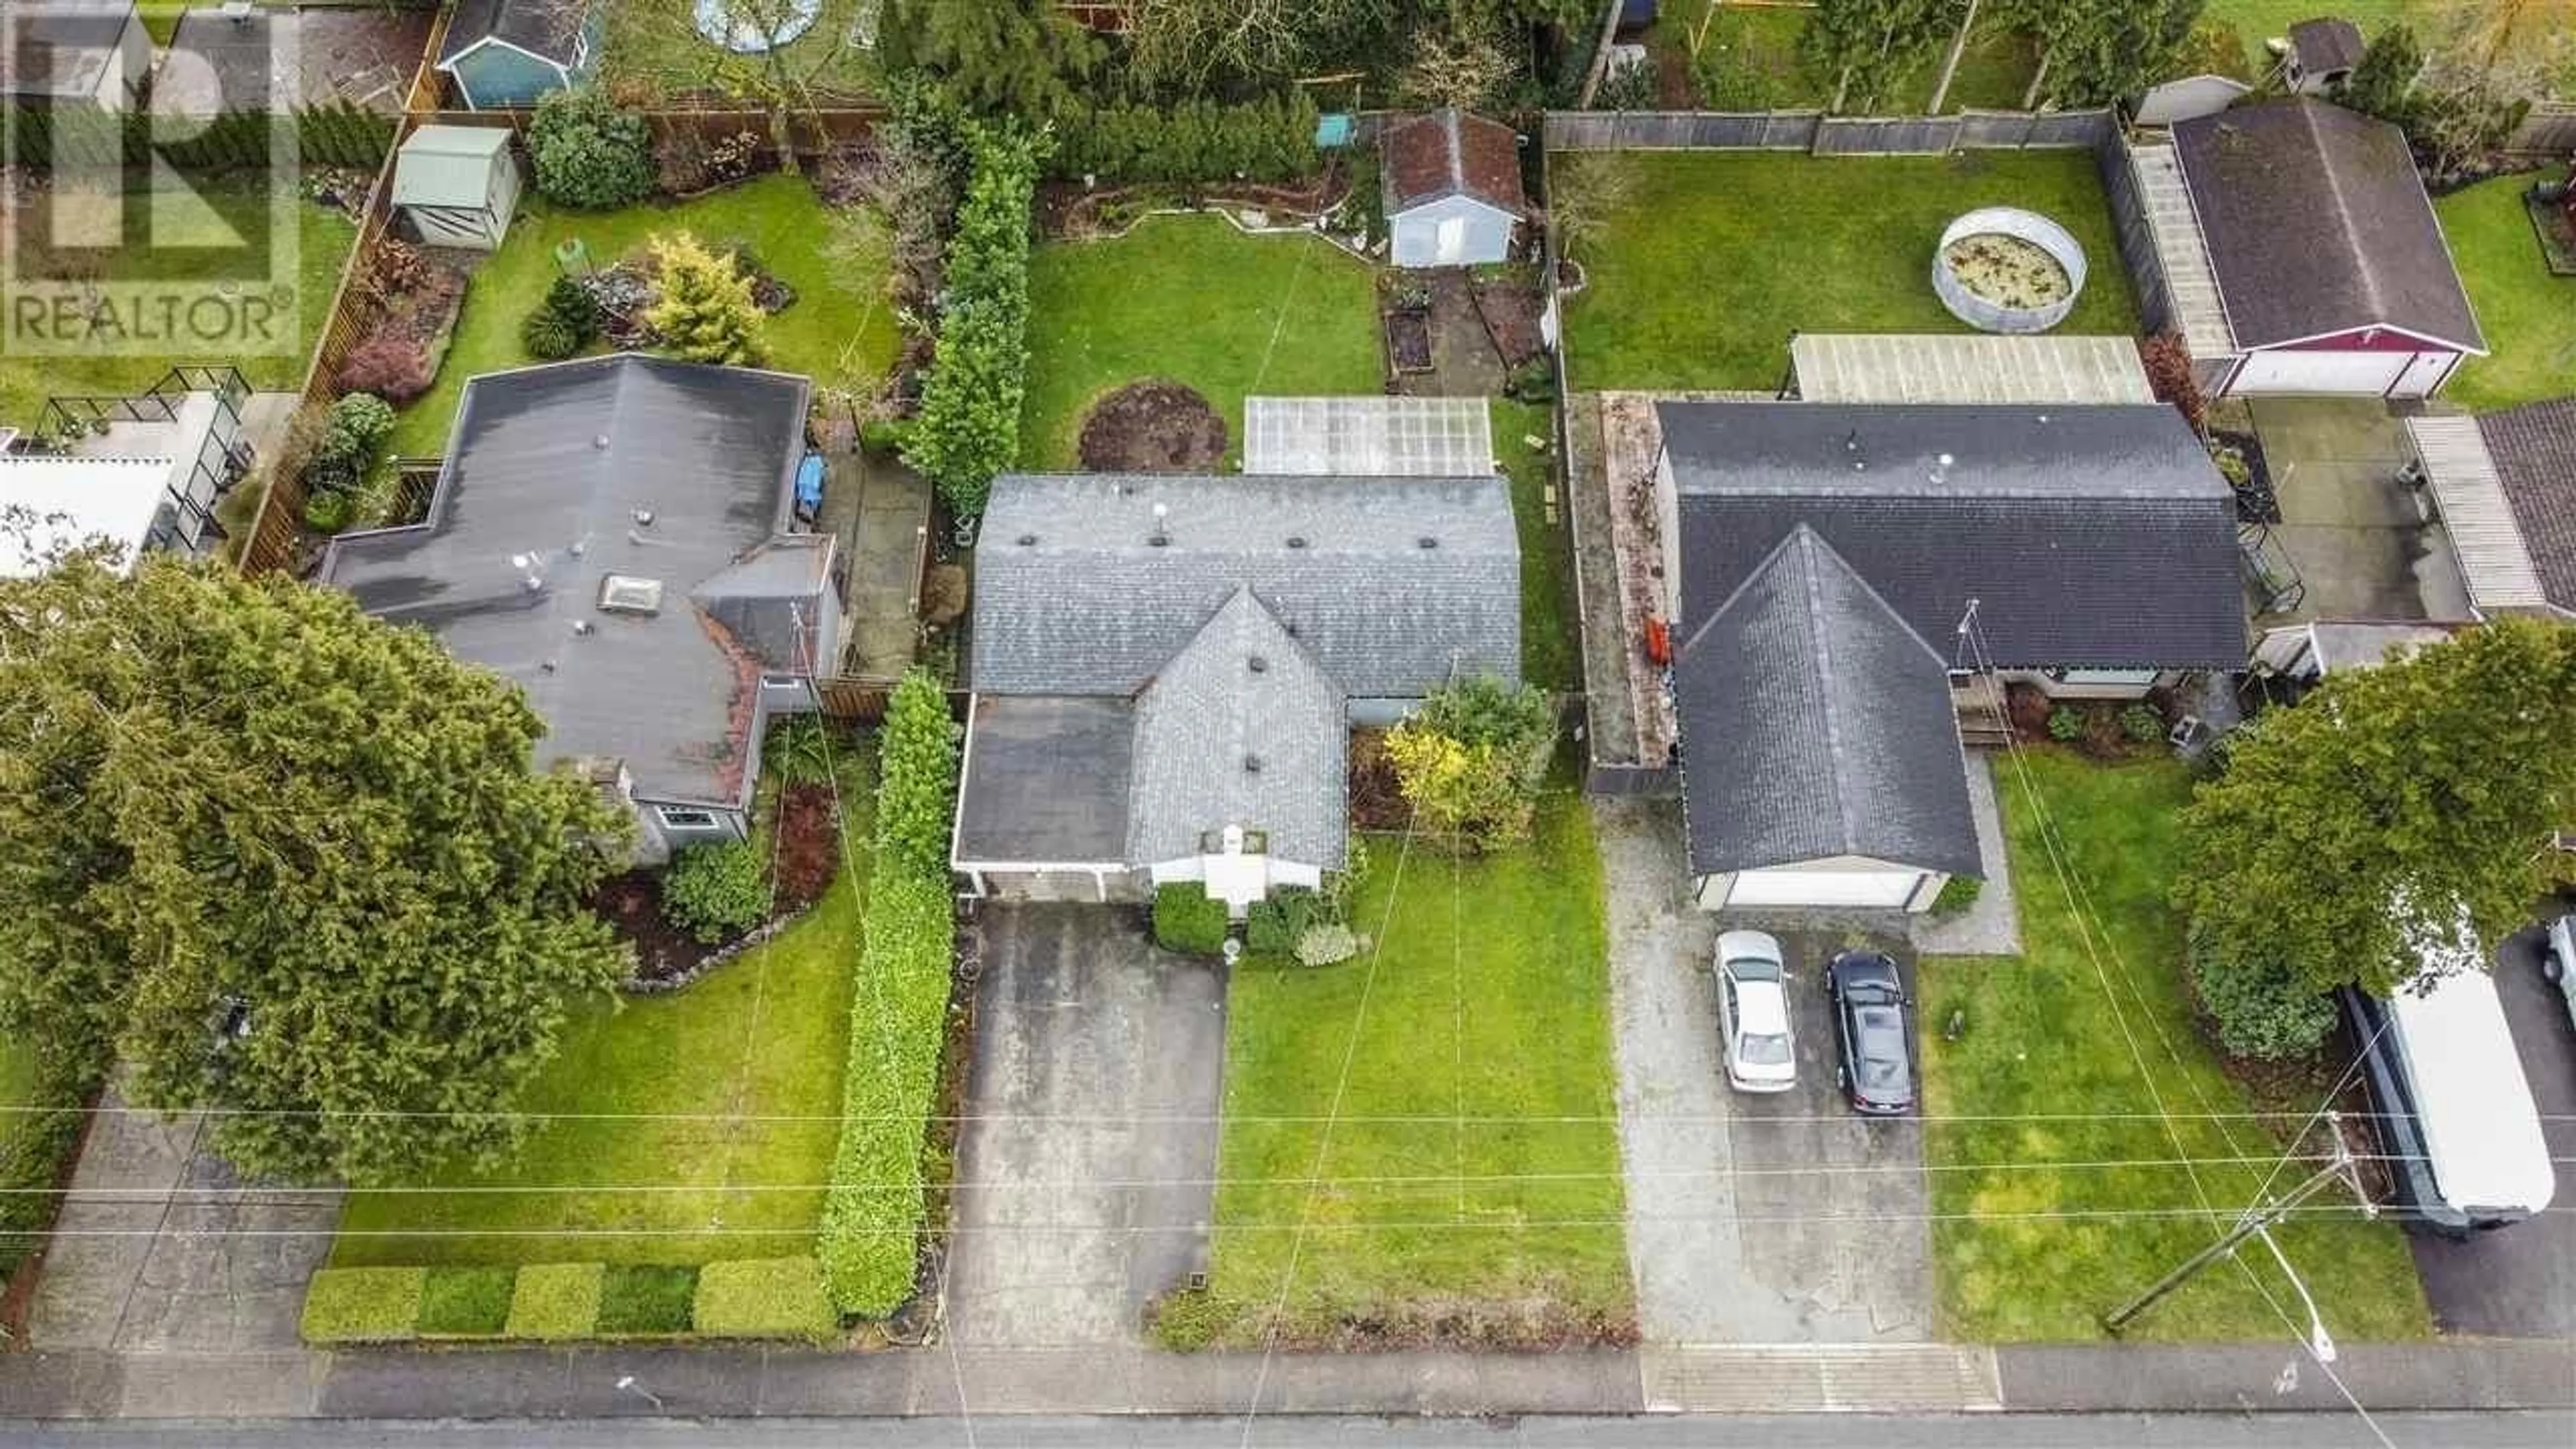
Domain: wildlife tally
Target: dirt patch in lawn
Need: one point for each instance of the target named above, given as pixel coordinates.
(809, 846)
(1155, 426)
(1377, 797)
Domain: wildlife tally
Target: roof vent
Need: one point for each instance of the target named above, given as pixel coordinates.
(600, 441)
(1159, 540)
(1252, 764)
(546, 665)
(581, 627)
(628, 594)
(1296, 540)
(1028, 540)
(1426, 541)
(1257, 664)
(643, 518)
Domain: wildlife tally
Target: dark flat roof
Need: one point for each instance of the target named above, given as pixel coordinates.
(1046, 781)
(2317, 223)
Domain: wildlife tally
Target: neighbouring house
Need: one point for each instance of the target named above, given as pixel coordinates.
(1167, 669)
(226, 59)
(1843, 581)
(457, 186)
(143, 473)
(614, 535)
(509, 54)
(1452, 184)
(2319, 55)
(2294, 248)
(63, 53)
(2503, 487)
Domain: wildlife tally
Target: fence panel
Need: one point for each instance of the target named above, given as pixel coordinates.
(1824, 135)
(1888, 136)
(2550, 129)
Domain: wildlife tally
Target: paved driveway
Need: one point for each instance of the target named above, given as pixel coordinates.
(1732, 1199)
(1075, 1205)
(2359, 544)
(2520, 1282)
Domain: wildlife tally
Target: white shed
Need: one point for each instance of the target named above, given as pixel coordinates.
(1452, 185)
(457, 185)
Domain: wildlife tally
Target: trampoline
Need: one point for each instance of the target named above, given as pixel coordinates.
(740, 28)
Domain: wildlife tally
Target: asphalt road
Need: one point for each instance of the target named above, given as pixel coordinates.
(1078, 1016)
(1988, 1431)
(2520, 1281)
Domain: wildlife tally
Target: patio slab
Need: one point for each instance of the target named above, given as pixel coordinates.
(2360, 544)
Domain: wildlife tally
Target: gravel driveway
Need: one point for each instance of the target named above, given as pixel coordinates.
(1731, 1198)
(1079, 1198)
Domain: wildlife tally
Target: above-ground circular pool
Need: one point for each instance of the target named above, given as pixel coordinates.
(750, 30)
(2002, 269)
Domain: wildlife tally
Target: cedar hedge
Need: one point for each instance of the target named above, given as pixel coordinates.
(1198, 140)
(465, 1302)
(556, 1300)
(873, 1211)
(34, 1141)
(765, 1298)
(646, 1299)
(1187, 920)
(363, 1305)
(969, 427)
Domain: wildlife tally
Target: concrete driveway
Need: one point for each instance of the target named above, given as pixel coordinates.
(1741, 1207)
(1080, 1195)
(2360, 546)
(2520, 1281)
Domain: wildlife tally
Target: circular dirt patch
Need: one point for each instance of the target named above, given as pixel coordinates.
(1152, 427)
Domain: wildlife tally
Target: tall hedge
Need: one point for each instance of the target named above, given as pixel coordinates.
(873, 1212)
(969, 428)
(1196, 141)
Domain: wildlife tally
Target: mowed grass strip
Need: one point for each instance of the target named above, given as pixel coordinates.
(1551, 644)
(1712, 259)
(1489, 1002)
(1191, 299)
(662, 1135)
(2018, 1252)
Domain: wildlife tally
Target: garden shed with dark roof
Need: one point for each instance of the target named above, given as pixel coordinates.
(1452, 184)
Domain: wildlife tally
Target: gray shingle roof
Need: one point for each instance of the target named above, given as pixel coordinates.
(2316, 222)
(1047, 781)
(1243, 728)
(2326, 44)
(550, 28)
(1825, 726)
(2091, 536)
(547, 460)
(1089, 604)
(2534, 450)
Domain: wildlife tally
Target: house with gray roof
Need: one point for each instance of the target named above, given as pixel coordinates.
(614, 535)
(1167, 669)
(1841, 580)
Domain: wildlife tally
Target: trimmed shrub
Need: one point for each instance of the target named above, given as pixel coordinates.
(573, 303)
(356, 426)
(393, 367)
(466, 1302)
(969, 426)
(705, 310)
(716, 891)
(2065, 724)
(547, 337)
(1328, 944)
(873, 1211)
(2261, 1008)
(557, 1301)
(588, 153)
(2142, 724)
(327, 510)
(362, 1305)
(1273, 927)
(1269, 140)
(646, 1298)
(884, 436)
(765, 1298)
(1471, 760)
(1187, 920)
(1957, 894)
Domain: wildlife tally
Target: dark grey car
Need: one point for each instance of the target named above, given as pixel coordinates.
(1874, 1026)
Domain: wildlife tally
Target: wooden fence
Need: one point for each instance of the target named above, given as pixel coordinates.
(1821, 135)
(2550, 130)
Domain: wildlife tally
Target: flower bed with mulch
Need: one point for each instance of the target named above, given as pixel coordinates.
(804, 853)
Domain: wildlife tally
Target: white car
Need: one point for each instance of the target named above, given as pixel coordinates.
(2558, 959)
(1753, 1013)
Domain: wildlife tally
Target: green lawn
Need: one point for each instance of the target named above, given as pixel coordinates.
(2261, 20)
(1486, 1000)
(2529, 316)
(1191, 299)
(2043, 1041)
(1711, 259)
(653, 46)
(1550, 629)
(323, 239)
(690, 1174)
(839, 331)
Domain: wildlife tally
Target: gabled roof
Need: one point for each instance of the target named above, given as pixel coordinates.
(60, 47)
(1825, 722)
(547, 470)
(2534, 451)
(1395, 584)
(1243, 728)
(2093, 536)
(550, 29)
(2316, 223)
(1451, 153)
(2326, 44)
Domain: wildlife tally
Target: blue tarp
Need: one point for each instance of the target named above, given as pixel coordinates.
(1333, 129)
(809, 481)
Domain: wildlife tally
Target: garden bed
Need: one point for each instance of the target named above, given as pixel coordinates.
(1153, 427)
(1408, 341)
(2256, 502)
(804, 857)
(2556, 230)
(1070, 210)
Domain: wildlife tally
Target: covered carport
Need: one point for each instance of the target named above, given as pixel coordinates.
(1898, 367)
(2468, 497)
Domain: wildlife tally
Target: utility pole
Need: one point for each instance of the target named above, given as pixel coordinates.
(2256, 1221)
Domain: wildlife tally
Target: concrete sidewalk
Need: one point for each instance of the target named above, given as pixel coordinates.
(715, 1383)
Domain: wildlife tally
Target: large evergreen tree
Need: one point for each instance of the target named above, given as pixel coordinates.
(1016, 57)
(1863, 46)
(2429, 786)
(286, 861)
